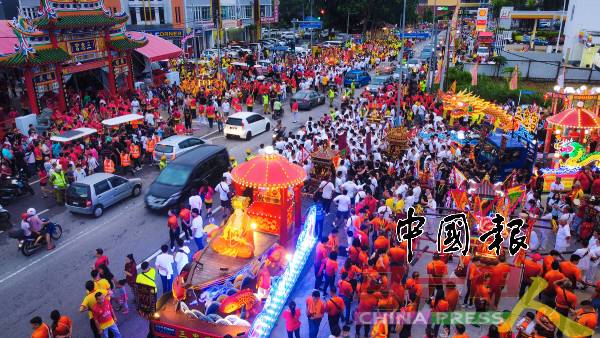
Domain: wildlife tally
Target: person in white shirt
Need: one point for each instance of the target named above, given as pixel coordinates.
(164, 265)
(223, 189)
(79, 173)
(556, 187)
(195, 202)
(182, 255)
(343, 203)
(409, 201)
(228, 177)
(326, 189)
(351, 187)
(197, 229)
(563, 235)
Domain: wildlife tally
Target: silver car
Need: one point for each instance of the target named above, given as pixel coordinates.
(175, 145)
(99, 191)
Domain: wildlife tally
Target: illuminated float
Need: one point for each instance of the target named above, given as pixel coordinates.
(238, 285)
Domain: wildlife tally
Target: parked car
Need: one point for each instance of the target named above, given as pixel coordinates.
(332, 43)
(307, 99)
(175, 145)
(384, 68)
(245, 125)
(379, 82)
(426, 55)
(360, 78)
(184, 176)
(413, 63)
(99, 191)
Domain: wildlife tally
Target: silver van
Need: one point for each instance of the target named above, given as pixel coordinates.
(175, 145)
(97, 192)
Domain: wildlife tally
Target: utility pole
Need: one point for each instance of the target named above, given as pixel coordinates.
(446, 55)
(348, 23)
(433, 60)
(561, 24)
(401, 56)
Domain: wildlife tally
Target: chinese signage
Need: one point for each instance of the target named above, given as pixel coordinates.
(275, 17)
(482, 19)
(82, 46)
(454, 234)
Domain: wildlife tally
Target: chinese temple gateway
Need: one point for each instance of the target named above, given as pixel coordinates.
(70, 37)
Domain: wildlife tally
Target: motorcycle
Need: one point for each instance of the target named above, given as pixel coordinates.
(278, 133)
(29, 245)
(13, 187)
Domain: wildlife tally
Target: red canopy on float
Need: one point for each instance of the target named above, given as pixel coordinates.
(577, 117)
(268, 171)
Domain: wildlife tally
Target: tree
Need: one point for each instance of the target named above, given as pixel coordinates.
(500, 61)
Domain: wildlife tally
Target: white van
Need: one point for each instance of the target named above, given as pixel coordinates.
(332, 43)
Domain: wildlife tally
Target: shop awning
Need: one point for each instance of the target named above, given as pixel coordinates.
(157, 48)
(8, 39)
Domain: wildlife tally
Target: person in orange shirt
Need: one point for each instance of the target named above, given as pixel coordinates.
(472, 273)
(551, 276)
(381, 242)
(333, 241)
(436, 269)
(587, 316)
(61, 325)
(452, 296)
(329, 269)
(414, 287)
(547, 262)
(565, 299)
(388, 303)
(126, 163)
(397, 262)
(322, 251)
(335, 308)
(498, 279)
(382, 263)
(40, 329)
(315, 309)
(482, 295)
(571, 270)
(367, 302)
(438, 304)
(353, 272)
(347, 293)
(531, 268)
(460, 332)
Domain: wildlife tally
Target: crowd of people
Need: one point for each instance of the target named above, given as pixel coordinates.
(359, 264)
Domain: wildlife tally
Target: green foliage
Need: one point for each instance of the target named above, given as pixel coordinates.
(491, 89)
(499, 60)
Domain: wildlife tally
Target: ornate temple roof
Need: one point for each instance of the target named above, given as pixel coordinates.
(37, 58)
(125, 42)
(83, 20)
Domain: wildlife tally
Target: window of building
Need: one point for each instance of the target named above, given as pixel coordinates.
(133, 15)
(148, 13)
(228, 12)
(177, 14)
(266, 11)
(206, 13)
(161, 15)
(247, 12)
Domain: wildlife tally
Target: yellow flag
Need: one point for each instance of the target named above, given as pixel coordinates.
(453, 87)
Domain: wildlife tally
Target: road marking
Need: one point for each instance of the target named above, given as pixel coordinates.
(157, 252)
(43, 211)
(216, 137)
(64, 245)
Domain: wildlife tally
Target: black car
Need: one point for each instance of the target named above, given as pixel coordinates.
(183, 176)
(307, 99)
(379, 82)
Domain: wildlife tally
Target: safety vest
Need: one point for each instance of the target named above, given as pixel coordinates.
(58, 179)
(249, 157)
(150, 146)
(134, 149)
(109, 166)
(124, 160)
(147, 278)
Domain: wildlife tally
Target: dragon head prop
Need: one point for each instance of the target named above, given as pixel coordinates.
(566, 146)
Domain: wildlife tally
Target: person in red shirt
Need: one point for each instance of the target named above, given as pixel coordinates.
(291, 316)
(436, 269)
(173, 225)
(100, 259)
(346, 291)
(498, 277)
(185, 216)
(367, 302)
(531, 268)
(551, 276)
(322, 251)
(439, 304)
(571, 270)
(596, 185)
(104, 316)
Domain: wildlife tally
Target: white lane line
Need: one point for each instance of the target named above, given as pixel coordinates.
(43, 211)
(216, 137)
(60, 247)
(157, 252)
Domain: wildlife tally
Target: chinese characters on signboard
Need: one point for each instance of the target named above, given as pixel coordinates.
(454, 234)
(82, 46)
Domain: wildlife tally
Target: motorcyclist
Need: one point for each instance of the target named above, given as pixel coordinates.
(40, 228)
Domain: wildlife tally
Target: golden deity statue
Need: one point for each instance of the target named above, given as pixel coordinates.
(237, 238)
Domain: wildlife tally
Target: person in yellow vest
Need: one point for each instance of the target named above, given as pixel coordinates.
(109, 166)
(134, 150)
(233, 162)
(147, 276)
(59, 181)
(163, 162)
(249, 154)
(126, 163)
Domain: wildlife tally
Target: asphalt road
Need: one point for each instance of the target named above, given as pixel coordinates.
(36, 285)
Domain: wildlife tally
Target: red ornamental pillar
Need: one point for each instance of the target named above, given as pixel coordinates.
(130, 83)
(298, 205)
(112, 87)
(62, 101)
(283, 226)
(33, 104)
(549, 130)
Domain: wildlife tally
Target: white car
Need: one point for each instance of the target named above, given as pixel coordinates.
(245, 125)
(175, 145)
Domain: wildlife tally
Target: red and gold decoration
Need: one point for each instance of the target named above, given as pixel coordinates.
(237, 238)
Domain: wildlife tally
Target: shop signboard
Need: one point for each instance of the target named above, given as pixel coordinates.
(82, 46)
(482, 19)
(167, 33)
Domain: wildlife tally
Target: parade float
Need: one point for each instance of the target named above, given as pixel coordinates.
(572, 129)
(239, 283)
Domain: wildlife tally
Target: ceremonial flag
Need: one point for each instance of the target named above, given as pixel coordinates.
(514, 81)
(453, 87)
(474, 74)
(438, 74)
(515, 196)
(457, 177)
(460, 198)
